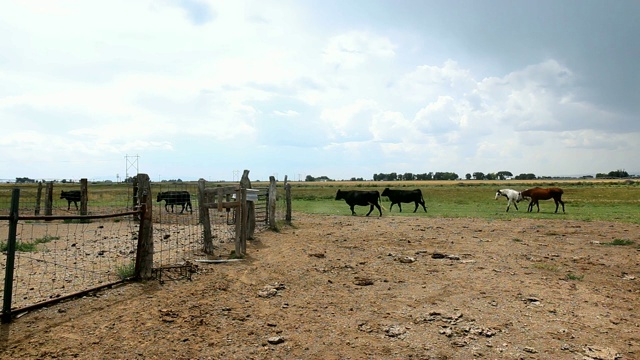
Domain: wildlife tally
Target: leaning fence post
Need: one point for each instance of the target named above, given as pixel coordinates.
(144, 254)
(11, 256)
(245, 183)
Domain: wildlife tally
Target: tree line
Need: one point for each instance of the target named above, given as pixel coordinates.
(500, 175)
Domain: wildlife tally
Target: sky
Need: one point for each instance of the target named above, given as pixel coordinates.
(190, 89)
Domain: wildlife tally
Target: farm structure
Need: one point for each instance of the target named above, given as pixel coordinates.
(118, 235)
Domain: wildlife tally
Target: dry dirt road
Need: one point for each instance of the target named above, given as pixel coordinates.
(336, 287)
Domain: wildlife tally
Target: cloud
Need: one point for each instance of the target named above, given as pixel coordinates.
(349, 50)
(199, 12)
(363, 93)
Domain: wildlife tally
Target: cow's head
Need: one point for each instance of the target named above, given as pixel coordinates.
(385, 192)
(339, 195)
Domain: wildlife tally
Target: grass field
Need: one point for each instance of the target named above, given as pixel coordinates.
(588, 200)
(584, 200)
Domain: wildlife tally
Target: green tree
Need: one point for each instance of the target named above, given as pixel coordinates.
(618, 174)
(526, 177)
(504, 174)
(407, 176)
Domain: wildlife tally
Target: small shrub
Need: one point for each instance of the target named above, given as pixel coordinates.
(545, 266)
(619, 242)
(46, 239)
(126, 271)
(574, 277)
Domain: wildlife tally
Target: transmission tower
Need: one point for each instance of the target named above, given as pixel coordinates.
(132, 163)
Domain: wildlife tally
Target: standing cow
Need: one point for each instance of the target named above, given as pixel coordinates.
(73, 195)
(175, 198)
(361, 198)
(405, 196)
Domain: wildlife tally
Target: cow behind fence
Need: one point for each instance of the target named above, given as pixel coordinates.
(175, 198)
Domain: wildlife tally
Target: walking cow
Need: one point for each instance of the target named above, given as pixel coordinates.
(175, 198)
(404, 196)
(73, 195)
(361, 198)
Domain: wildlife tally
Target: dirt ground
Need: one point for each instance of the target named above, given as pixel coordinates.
(343, 287)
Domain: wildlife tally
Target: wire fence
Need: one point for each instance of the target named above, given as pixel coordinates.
(61, 257)
(55, 258)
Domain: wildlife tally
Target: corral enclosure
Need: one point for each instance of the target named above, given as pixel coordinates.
(61, 257)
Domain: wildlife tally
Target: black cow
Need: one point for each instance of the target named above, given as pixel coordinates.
(360, 197)
(404, 196)
(175, 198)
(73, 195)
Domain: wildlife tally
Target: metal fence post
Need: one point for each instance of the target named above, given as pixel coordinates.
(11, 256)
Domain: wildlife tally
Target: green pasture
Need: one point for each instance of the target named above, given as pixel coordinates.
(584, 200)
(587, 201)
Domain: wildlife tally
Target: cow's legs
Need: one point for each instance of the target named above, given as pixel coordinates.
(352, 211)
(400, 206)
(379, 209)
(370, 209)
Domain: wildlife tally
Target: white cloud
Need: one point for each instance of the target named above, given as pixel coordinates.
(354, 48)
(172, 80)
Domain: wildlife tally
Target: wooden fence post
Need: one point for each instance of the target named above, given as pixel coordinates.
(245, 183)
(241, 223)
(144, 255)
(204, 219)
(272, 204)
(84, 196)
(48, 202)
(287, 192)
(38, 199)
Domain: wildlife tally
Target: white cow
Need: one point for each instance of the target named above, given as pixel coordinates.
(513, 197)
